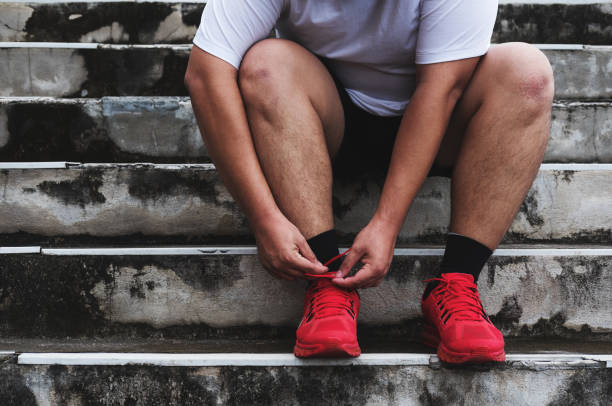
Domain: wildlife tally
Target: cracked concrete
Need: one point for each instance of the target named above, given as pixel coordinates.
(580, 72)
(144, 22)
(368, 385)
(163, 129)
(232, 296)
(191, 201)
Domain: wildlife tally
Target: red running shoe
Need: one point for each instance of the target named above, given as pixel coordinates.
(456, 323)
(329, 325)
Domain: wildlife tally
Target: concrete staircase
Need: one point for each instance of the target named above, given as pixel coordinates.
(128, 276)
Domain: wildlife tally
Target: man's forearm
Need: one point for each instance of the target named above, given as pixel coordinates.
(220, 113)
(418, 139)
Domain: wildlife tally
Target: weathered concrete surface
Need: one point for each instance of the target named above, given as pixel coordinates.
(392, 344)
(93, 72)
(111, 129)
(208, 296)
(124, 70)
(563, 205)
(117, 22)
(554, 23)
(356, 385)
(156, 22)
(164, 130)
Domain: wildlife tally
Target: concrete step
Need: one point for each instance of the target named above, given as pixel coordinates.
(163, 130)
(270, 379)
(223, 292)
(190, 345)
(568, 203)
(96, 70)
(176, 22)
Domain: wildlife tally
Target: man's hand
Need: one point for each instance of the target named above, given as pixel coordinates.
(283, 250)
(374, 248)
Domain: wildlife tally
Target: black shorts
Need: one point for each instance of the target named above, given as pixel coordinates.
(367, 144)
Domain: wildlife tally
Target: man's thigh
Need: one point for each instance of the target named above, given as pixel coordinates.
(283, 75)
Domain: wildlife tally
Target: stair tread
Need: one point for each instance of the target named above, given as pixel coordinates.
(163, 129)
(269, 346)
(188, 202)
(96, 70)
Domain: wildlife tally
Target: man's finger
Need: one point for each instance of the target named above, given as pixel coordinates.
(349, 262)
(303, 265)
(307, 253)
(363, 277)
(294, 273)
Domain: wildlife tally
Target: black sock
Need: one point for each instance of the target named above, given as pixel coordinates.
(462, 255)
(325, 247)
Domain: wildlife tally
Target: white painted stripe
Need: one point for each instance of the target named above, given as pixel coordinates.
(169, 167)
(208, 166)
(202, 360)
(7, 353)
(187, 47)
(92, 45)
(249, 359)
(33, 165)
(251, 250)
(152, 251)
(20, 250)
(576, 167)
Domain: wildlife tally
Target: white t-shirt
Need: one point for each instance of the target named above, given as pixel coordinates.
(372, 46)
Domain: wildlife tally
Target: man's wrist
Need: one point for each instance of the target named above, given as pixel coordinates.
(261, 217)
(387, 225)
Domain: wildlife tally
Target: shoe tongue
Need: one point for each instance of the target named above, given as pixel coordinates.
(458, 276)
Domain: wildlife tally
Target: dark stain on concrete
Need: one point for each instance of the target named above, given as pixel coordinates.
(555, 327)
(13, 389)
(310, 386)
(501, 262)
(51, 131)
(82, 191)
(132, 385)
(359, 191)
(579, 288)
(406, 269)
(565, 176)
(529, 208)
(191, 13)
(204, 273)
(534, 23)
(509, 315)
(553, 24)
(585, 387)
(133, 72)
(48, 296)
(54, 131)
(152, 184)
(51, 22)
(28, 190)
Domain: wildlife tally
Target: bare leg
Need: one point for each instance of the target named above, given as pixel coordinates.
(297, 122)
(496, 140)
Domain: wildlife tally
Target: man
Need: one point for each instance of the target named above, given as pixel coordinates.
(408, 88)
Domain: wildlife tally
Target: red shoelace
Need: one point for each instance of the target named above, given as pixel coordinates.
(329, 300)
(330, 274)
(326, 299)
(459, 297)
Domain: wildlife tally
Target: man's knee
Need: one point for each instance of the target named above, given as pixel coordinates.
(265, 70)
(526, 73)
